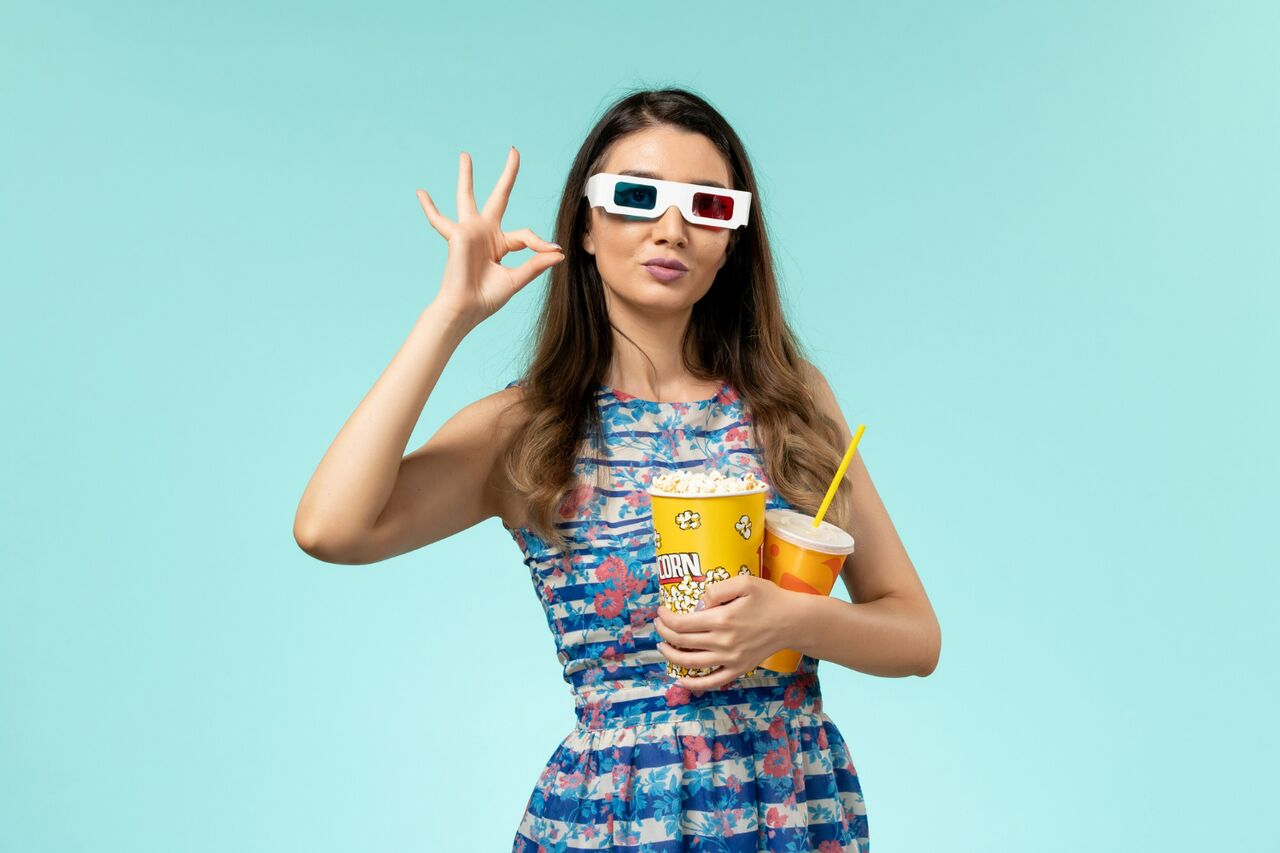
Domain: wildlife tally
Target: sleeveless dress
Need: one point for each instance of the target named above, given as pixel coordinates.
(754, 765)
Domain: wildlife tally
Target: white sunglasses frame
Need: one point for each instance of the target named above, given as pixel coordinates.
(600, 189)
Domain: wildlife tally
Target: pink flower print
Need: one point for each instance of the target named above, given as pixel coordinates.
(822, 738)
(594, 715)
(643, 616)
(777, 729)
(572, 780)
(576, 501)
(638, 498)
(726, 396)
(737, 435)
(777, 762)
(797, 779)
(696, 752)
(775, 818)
(608, 604)
(623, 396)
(611, 568)
(793, 696)
(623, 780)
(620, 773)
(677, 695)
(718, 751)
(733, 783)
(631, 583)
(831, 847)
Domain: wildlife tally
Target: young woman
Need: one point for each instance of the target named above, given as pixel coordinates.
(639, 370)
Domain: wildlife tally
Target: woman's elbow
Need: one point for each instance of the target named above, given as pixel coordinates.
(935, 651)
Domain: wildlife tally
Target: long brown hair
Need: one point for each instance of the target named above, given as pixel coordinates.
(737, 333)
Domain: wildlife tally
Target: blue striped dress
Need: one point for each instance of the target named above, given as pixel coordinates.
(755, 765)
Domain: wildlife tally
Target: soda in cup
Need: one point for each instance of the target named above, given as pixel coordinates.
(802, 558)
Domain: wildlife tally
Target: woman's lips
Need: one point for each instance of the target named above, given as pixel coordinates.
(664, 273)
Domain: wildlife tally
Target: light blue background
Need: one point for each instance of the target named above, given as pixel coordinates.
(1033, 246)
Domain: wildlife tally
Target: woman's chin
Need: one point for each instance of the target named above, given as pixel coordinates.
(655, 297)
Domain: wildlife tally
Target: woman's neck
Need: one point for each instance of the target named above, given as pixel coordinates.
(648, 357)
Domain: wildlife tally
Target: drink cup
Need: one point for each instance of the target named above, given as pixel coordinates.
(701, 539)
(801, 558)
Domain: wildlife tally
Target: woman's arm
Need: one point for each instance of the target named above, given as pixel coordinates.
(891, 628)
(364, 502)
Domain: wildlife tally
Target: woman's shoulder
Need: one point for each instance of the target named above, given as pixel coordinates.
(810, 373)
(508, 412)
(496, 415)
(824, 399)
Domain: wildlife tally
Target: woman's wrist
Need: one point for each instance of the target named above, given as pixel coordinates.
(798, 612)
(452, 323)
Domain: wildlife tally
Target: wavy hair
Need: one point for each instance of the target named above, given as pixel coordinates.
(737, 333)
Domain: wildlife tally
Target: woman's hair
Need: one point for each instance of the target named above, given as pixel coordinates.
(737, 333)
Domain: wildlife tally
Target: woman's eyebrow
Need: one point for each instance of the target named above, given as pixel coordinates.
(641, 174)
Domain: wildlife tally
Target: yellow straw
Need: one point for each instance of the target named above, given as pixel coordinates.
(835, 481)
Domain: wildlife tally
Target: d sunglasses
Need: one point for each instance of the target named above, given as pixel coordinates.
(649, 198)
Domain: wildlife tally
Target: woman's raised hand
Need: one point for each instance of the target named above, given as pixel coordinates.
(475, 283)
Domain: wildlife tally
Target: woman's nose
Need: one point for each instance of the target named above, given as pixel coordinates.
(670, 225)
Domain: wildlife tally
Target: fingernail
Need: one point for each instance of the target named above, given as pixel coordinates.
(557, 245)
(701, 604)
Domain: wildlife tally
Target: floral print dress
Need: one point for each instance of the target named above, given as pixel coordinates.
(755, 765)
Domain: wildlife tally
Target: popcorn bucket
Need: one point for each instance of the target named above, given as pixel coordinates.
(701, 539)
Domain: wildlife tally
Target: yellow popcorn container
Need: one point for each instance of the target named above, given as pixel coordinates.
(801, 558)
(701, 539)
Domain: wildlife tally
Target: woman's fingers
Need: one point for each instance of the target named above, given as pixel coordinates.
(548, 255)
(691, 659)
(534, 267)
(524, 238)
(496, 204)
(703, 640)
(466, 194)
(439, 222)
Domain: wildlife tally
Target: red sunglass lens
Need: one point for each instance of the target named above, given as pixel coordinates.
(711, 206)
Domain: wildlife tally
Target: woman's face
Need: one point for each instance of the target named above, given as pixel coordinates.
(622, 245)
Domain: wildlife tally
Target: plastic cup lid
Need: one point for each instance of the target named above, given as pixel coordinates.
(797, 528)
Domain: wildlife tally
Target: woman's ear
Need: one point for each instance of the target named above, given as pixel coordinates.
(588, 244)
